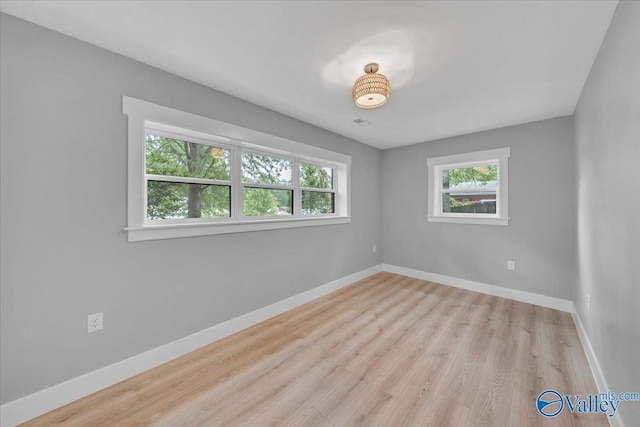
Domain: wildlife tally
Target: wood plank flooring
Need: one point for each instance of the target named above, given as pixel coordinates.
(386, 351)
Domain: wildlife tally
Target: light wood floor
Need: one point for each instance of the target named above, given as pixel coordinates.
(386, 351)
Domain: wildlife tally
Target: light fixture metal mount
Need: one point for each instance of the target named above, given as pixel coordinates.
(371, 90)
(371, 67)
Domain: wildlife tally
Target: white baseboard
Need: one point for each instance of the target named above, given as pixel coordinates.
(39, 403)
(598, 375)
(498, 291)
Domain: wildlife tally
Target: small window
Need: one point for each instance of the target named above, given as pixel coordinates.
(469, 188)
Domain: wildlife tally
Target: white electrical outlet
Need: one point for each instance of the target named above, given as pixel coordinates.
(589, 303)
(511, 265)
(94, 322)
(374, 248)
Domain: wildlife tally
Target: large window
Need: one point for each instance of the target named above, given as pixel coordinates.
(199, 176)
(469, 188)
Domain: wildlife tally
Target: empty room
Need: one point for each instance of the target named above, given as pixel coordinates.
(320, 213)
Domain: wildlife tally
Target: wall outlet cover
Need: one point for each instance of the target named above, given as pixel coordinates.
(94, 322)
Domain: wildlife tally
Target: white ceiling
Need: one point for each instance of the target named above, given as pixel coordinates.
(455, 67)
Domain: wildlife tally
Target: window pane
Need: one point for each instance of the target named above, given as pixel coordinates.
(477, 178)
(267, 202)
(259, 169)
(166, 156)
(315, 202)
(470, 190)
(169, 200)
(313, 176)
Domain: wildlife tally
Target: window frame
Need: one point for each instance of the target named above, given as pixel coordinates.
(435, 166)
(145, 117)
(212, 140)
(286, 187)
(332, 190)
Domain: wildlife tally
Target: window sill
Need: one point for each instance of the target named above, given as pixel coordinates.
(466, 220)
(172, 231)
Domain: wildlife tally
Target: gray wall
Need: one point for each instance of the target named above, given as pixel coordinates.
(607, 129)
(540, 236)
(63, 208)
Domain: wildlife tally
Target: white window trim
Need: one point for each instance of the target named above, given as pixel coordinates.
(225, 135)
(435, 165)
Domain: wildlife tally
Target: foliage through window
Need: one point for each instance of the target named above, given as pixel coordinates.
(192, 180)
(317, 189)
(268, 185)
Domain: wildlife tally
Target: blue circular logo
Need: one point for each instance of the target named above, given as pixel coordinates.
(549, 403)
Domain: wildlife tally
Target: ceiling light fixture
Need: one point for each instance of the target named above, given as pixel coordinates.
(371, 90)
